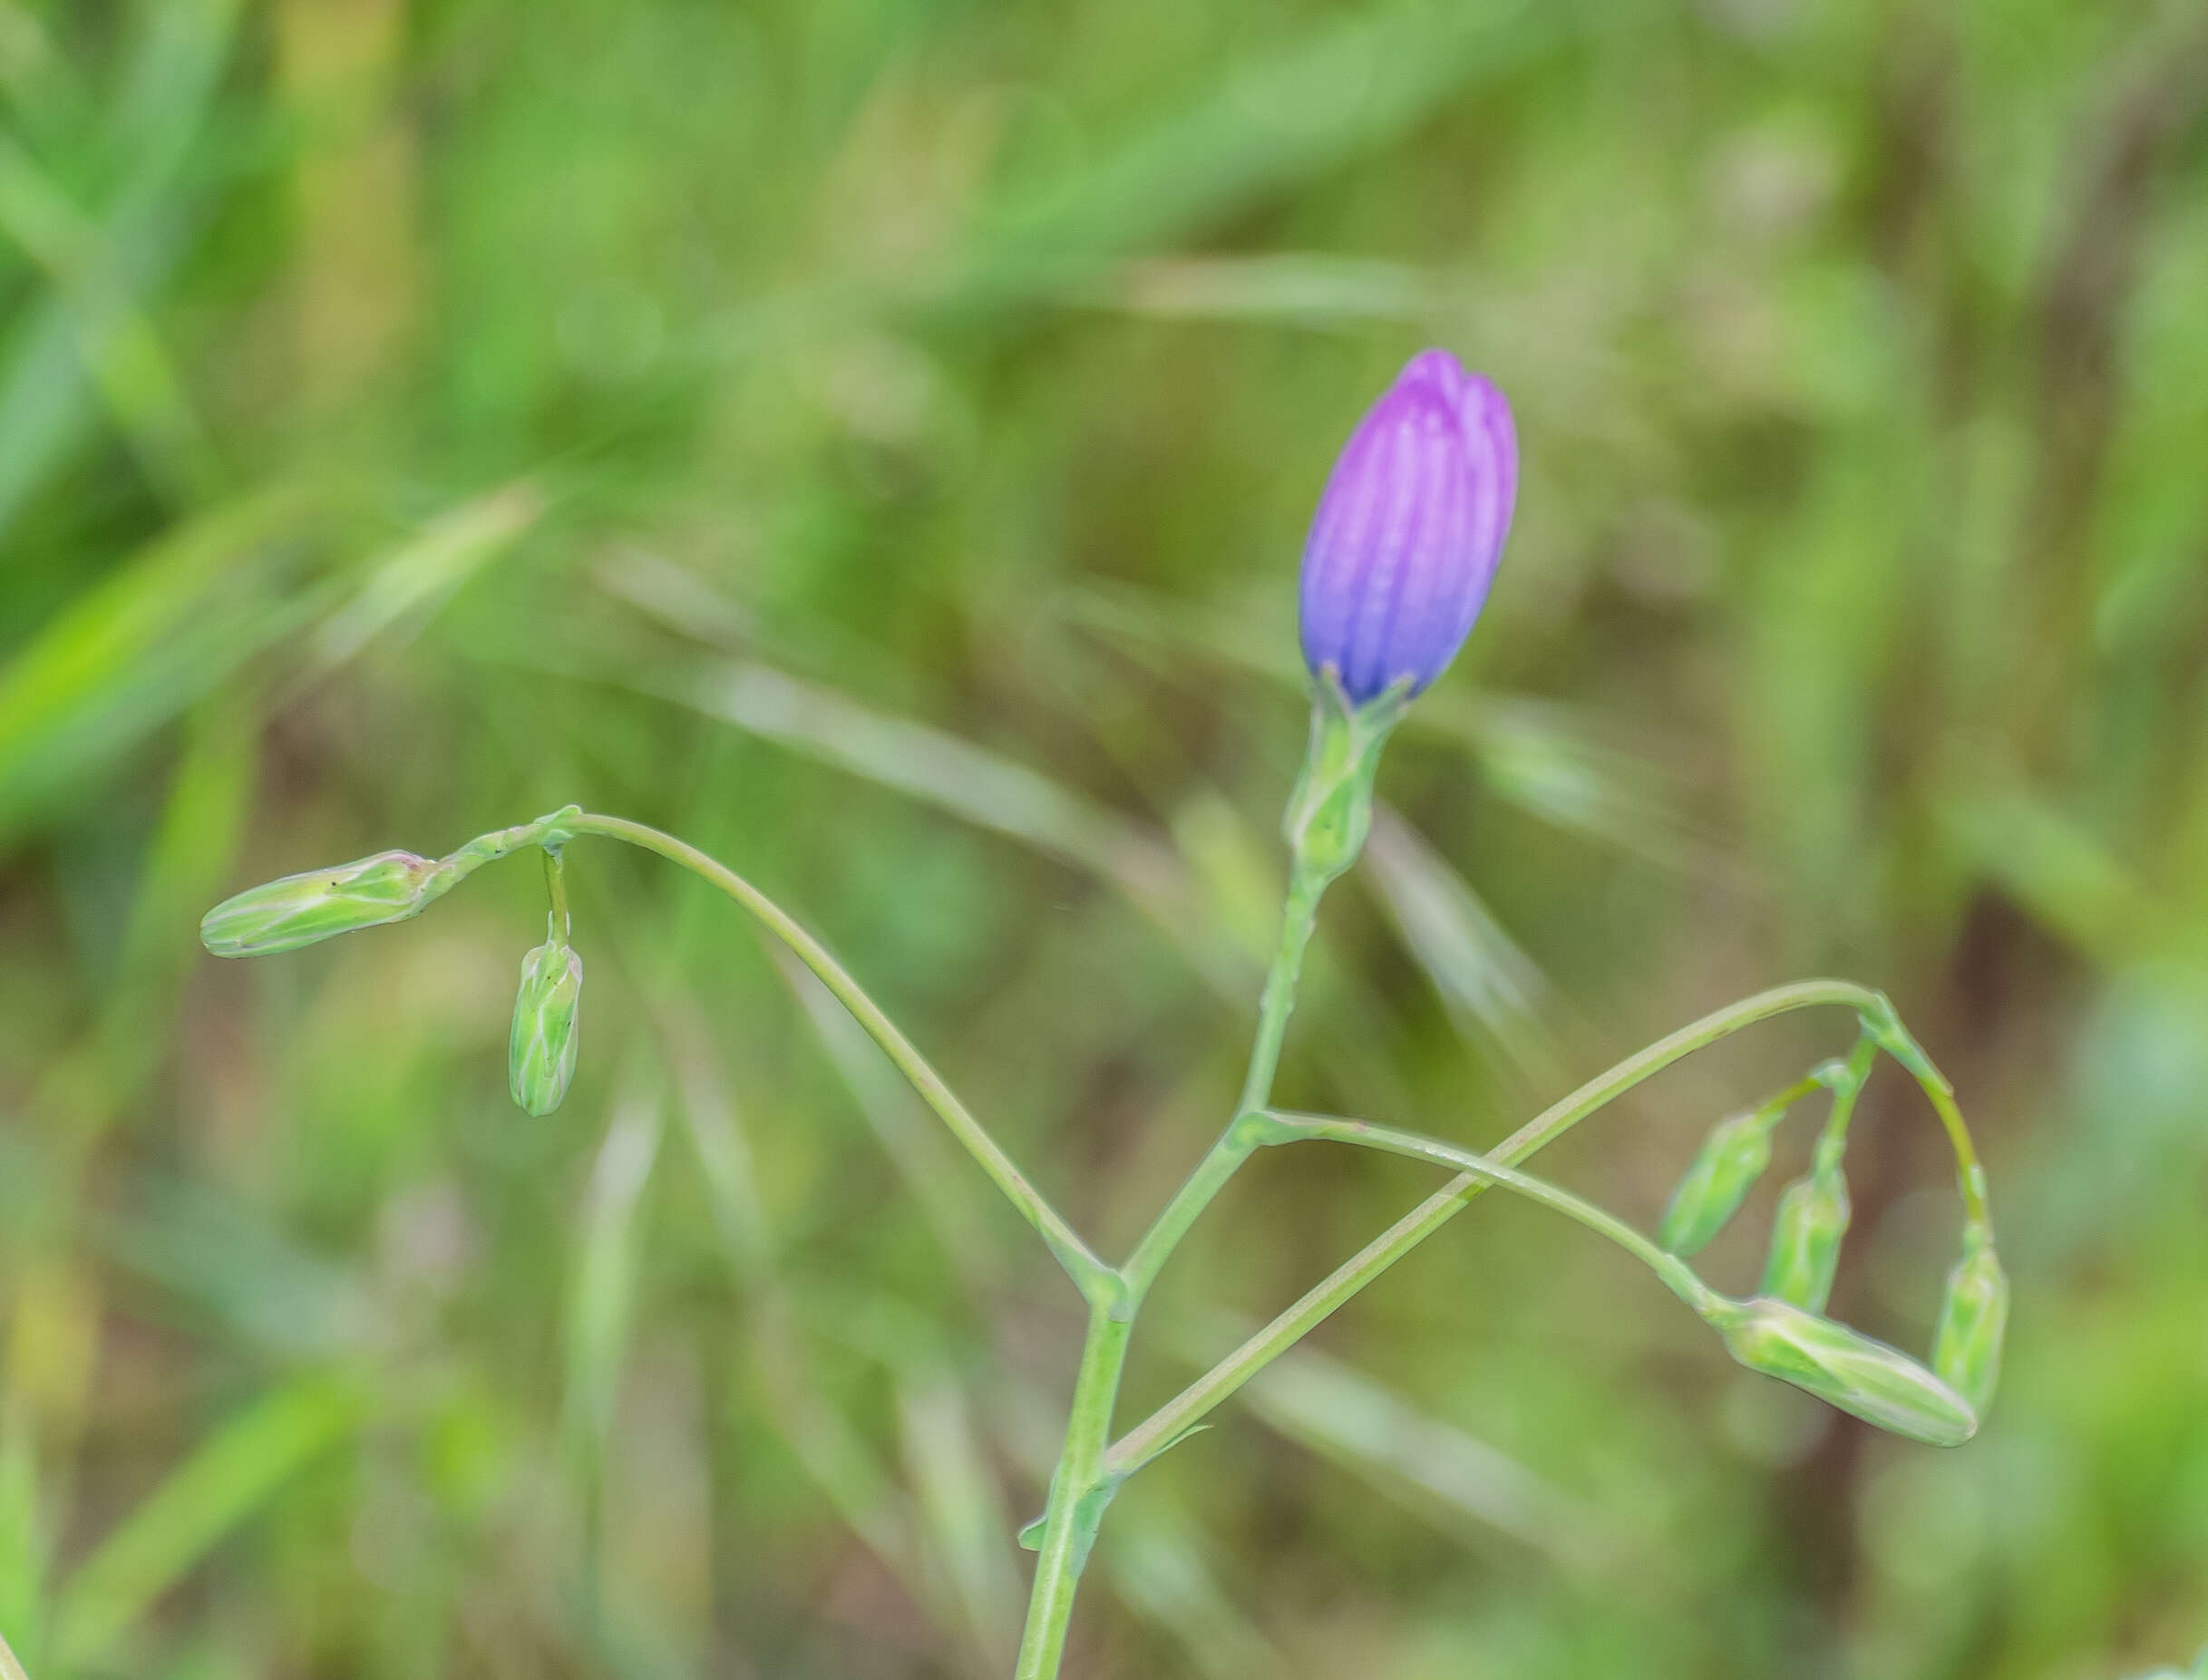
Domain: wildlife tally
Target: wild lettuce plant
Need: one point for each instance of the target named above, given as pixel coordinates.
(1400, 558)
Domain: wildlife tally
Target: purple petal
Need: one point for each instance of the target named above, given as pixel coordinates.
(1406, 538)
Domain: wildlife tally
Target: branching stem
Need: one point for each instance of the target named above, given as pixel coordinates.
(1260, 1349)
(1091, 1468)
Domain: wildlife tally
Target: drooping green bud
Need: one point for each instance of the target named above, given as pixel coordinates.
(299, 909)
(1813, 1217)
(1844, 1368)
(540, 1052)
(1732, 1158)
(1973, 1320)
(1329, 814)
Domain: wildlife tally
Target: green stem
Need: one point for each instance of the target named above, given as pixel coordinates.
(1779, 1102)
(1217, 1384)
(1297, 915)
(1098, 1283)
(1677, 1276)
(1968, 1173)
(1083, 1485)
(556, 887)
(1235, 1143)
(1079, 1491)
(1884, 1024)
(1846, 1088)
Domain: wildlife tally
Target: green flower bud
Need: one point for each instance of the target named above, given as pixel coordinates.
(1973, 1319)
(1813, 1217)
(1330, 813)
(1733, 1157)
(299, 909)
(1844, 1368)
(540, 1053)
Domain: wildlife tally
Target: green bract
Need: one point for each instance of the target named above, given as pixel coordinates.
(1813, 1217)
(1973, 1320)
(540, 1052)
(1733, 1157)
(299, 909)
(1329, 812)
(1846, 1368)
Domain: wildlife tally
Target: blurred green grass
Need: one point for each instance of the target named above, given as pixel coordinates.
(874, 439)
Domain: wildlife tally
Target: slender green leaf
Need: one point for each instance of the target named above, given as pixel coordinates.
(237, 1470)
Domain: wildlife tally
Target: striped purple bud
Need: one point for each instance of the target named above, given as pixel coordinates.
(1407, 537)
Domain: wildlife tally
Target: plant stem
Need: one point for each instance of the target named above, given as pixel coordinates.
(1235, 1143)
(1179, 1414)
(1079, 1491)
(1099, 1284)
(1844, 1092)
(1299, 914)
(1968, 1173)
(1898, 1041)
(1082, 1487)
(556, 889)
(1678, 1277)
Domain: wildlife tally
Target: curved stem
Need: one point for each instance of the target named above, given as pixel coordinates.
(1970, 1174)
(1299, 1320)
(1097, 1282)
(1845, 1089)
(1885, 1025)
(1678, 1277)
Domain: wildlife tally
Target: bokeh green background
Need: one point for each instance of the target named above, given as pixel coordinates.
(873, 438)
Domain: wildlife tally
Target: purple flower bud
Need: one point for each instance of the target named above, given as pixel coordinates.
(1405, 539)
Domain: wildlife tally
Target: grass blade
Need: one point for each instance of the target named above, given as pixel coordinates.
(1481, 975)
(957, 1499)
(240, 1469)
